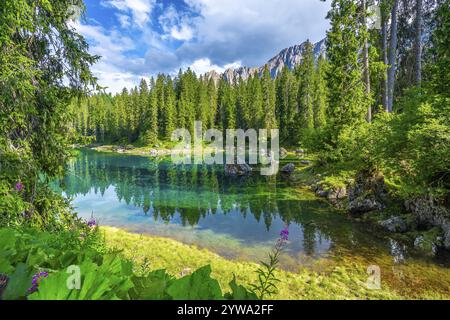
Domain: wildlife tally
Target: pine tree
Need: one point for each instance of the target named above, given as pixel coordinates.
(320, 93)
(243, 113)
(255, 99)
(346, 94)
(268, 99)
(306, 89)
(170, 114)
(151, 131)
(282, 103)
(212, 94)
(202, 104)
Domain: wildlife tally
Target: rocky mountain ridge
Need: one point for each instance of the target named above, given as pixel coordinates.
(289, 57)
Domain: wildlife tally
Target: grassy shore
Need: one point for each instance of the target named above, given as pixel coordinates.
(346, 280)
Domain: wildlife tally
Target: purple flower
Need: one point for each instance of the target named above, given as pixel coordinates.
(19, 186)
(91, 223)
(37, 279)
(284, 234)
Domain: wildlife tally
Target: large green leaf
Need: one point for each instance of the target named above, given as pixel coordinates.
(239, 292)
(104, 282)
(197, 286)
(151, 287)
(18, 284)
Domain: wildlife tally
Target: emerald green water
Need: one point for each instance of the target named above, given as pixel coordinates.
(238, 218)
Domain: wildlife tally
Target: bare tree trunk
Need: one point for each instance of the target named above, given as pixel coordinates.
(384, 47)
(366, 63)
(418, 43)
(392, 56)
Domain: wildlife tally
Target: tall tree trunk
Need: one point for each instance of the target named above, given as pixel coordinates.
(366, 62)
(392, 56)
(418, 43)
(384, 48)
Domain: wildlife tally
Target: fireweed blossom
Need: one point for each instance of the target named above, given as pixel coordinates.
(284, 234)
(282, 240)
(91, 223)
(37, 279)
(19, 186)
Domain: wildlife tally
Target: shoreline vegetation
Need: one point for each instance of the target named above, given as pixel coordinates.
(342, 279)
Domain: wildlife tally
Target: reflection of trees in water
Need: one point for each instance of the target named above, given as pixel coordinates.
(195, 191)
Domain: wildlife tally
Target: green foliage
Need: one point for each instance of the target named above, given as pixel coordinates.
(197, 286)
(346, 91)
(104, 274)
(438, 62)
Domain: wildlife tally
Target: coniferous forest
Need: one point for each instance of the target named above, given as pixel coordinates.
(364, 181)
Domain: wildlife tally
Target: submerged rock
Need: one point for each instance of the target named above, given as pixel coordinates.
(395, 224)
(289, 168)
(237, 169)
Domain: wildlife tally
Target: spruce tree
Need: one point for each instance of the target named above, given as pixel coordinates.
(268, 99)
(306, 89)
(346, 95)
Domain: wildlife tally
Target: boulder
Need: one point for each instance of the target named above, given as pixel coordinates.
(363, 205)
(320, 192)
(337, 193)
(431, 211)
(367, 194)
(305, 162)
(425, 245)
(289, 168)
(237, 169)
(395, 224)
(283, 153)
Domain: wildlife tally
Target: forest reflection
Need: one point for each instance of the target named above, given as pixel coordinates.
(252, 209)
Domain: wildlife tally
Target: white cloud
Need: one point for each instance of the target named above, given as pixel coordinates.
(183, 32)
(115, 69)
(214, 35)
(253, 30)
(140, 10)
(203, 65)
(124, 20)
(175, 25)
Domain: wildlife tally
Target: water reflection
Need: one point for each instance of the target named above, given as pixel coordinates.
(198, 204)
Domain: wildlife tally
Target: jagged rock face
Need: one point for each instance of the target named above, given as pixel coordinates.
(367, 194)
(289, 57)
(232, 75)
(292, 57)
(431, 211)
(214, 75)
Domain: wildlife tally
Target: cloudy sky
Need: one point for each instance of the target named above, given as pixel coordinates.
(140, 38)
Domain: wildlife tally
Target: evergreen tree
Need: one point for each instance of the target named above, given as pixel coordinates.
(170, 114)
(268, 100)
(151, 130)
(306, 89)
(320, 93)
(346, 95)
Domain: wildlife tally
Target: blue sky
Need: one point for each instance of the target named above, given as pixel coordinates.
(141, 38)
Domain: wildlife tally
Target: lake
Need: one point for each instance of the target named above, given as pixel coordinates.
(236, 217)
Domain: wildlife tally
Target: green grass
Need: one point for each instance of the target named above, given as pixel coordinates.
(347, 281)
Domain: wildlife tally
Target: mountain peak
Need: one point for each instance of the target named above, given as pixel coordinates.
(288, 57)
